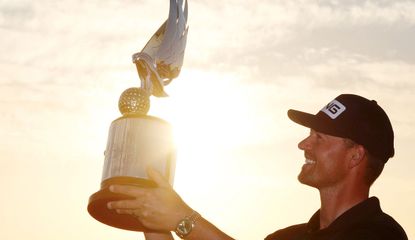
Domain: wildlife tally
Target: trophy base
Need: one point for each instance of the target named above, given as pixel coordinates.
(97, 206)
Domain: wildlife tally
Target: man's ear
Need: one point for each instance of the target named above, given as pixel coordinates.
(357, 155)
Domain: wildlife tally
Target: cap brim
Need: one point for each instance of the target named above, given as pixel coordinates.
(305, 119)
(316, 123)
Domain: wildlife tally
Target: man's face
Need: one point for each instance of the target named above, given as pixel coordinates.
(326, 158)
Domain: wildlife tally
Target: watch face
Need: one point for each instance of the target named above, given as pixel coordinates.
(185, 226)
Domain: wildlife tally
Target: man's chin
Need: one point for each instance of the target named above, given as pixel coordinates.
(302, 178)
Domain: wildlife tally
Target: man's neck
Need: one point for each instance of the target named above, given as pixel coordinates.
(334, 203)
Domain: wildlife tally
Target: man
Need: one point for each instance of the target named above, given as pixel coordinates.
(350, 140)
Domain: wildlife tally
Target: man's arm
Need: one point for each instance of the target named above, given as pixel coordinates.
(203, 230)
(158, 236)
(161, 209)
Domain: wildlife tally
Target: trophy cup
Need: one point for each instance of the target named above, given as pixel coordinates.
(136, 140)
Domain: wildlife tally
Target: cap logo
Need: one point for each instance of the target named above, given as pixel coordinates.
(333, 109)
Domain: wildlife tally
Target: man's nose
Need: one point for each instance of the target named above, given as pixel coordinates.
(304, 144)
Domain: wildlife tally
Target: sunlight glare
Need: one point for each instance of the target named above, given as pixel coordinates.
(208, 115)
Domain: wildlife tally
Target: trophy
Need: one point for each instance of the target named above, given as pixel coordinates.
(137, 141)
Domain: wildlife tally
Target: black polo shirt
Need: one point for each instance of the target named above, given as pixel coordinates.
(365, 221)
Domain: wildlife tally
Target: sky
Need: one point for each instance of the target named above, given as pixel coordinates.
(65, 63)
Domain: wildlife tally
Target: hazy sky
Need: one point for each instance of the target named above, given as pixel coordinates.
(65, 63)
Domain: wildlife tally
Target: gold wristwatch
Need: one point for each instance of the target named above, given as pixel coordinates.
(186, 225)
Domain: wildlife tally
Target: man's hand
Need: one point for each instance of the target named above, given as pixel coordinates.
(159, 208)
(158, 236)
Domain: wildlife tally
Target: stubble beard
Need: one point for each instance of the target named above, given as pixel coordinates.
(306, 178)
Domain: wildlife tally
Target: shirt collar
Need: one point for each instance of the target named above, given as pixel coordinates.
(356, 214)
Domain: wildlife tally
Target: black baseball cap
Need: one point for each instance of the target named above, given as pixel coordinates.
(353, 117)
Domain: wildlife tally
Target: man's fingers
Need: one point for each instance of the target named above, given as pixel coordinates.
(158, 178)
(125, 211)
(124, 204)
(128, 190)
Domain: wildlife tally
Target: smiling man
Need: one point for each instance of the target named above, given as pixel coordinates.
(350, 140)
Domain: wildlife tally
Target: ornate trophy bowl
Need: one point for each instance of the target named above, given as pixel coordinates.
(135, 141)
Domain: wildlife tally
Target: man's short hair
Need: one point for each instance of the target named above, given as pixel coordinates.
(374, 165)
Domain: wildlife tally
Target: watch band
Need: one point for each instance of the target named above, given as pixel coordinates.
(186, 225)
(194, 216)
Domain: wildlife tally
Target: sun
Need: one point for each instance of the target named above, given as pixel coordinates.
(206, 111)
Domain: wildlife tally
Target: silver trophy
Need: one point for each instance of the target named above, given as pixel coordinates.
(137, 141)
